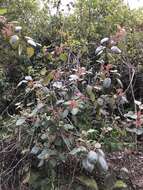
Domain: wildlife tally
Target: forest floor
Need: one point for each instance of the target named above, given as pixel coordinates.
(132, 161)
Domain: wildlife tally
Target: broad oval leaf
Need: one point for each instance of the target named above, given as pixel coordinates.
(78, 150)
(92, 157)
(138, 131)
(130, 115)
(30, 51)
(124, 173)
(87, 165)
(73, 77)
(3, 11)
(88, 182)
(14, 41)
(43, 71)
(99, 50)
(39, 45)
(120, 82)
(97, 145)
(65, 113)
(74, 111)
(21, 82)
(20, 121)
(116, 50)
(58, 85)
(102, 163)
(100, 101)
(100, 152)
(31, 43)
(120, 184)
(68, 127)
(89, 90)
(123, 100)
(18, 28)
(35, 150)
(107, 83)
(45, 154)
(28, 38)
(104, 41)
(28, 78)
(137, 102)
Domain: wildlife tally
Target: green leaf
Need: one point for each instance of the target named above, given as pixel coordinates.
(88, 182)
(63, 57)
(120, 184)
(43, 71)
(78, 150)
(3, 11)
(91, 131)
(90, 93)
(48, 78)
(20, 49)
(74, 111)
(30, 51)
(68, 127)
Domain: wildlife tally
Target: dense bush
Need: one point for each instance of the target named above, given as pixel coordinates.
(67, 93)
